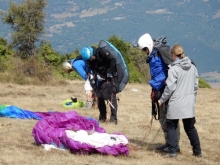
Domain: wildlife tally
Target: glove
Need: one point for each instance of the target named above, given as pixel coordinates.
(91, 76)
(92, 83)
(109, 75)
(74, 100)
(99, 78)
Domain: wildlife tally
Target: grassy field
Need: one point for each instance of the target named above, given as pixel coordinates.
(17, 145)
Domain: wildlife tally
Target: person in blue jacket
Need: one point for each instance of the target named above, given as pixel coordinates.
(158, 71)
(80, 67)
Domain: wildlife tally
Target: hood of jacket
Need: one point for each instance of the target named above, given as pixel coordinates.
(184, 63)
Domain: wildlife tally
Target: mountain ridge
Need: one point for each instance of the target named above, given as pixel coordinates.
(71, 25)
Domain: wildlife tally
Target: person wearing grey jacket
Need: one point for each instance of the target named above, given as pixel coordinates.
(181, 91)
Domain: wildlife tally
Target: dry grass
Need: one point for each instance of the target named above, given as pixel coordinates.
(17, 145)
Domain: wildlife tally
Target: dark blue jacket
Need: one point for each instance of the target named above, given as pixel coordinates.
(158, 70)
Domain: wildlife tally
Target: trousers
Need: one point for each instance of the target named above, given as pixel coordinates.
(113, 106)
(190, 131)
(162, 120)
(161, 110)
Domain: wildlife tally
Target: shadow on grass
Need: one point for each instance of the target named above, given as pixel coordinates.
(137, 144)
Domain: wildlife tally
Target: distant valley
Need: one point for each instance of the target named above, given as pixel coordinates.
(71, 25)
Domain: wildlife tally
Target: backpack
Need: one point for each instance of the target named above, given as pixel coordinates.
(165, 54)
(158, 61)
(163, 49)
(122, 70)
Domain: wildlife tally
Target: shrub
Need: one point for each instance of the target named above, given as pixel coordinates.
(25, 70)
(203, 83)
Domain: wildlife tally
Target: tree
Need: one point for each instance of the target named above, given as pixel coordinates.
(5, 54)
(26, 21)
(48, 56)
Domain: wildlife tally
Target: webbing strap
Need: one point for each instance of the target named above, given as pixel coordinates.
(155, 109)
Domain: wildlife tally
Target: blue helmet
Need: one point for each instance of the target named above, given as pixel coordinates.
(86, 53)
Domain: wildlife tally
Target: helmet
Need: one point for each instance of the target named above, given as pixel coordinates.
(146, 41)
(86, 53)
(66, 67)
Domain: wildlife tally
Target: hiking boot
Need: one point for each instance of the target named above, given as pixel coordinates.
(114, 122)
(164, 148)
(173, 155)
(102, 119)
(167, 150)
(161, 147)
(88, 105)
(197, 155)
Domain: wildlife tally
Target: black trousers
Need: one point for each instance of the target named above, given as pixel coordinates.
(190, 131)
(103, 111)
(102, 105)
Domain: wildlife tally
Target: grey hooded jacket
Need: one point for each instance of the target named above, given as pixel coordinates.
(181, 89)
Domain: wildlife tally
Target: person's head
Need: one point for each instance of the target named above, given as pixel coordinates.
(67, 68)
(145, 43)
(87, 53)
(177, 51)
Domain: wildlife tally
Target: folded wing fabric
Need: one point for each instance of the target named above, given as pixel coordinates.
(71, 131)
(60, 128)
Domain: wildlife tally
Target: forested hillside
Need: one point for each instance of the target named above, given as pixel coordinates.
(195, 24)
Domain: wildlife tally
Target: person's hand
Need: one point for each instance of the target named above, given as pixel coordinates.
(159, 103)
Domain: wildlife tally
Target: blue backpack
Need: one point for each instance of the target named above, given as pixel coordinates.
(122, 70)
